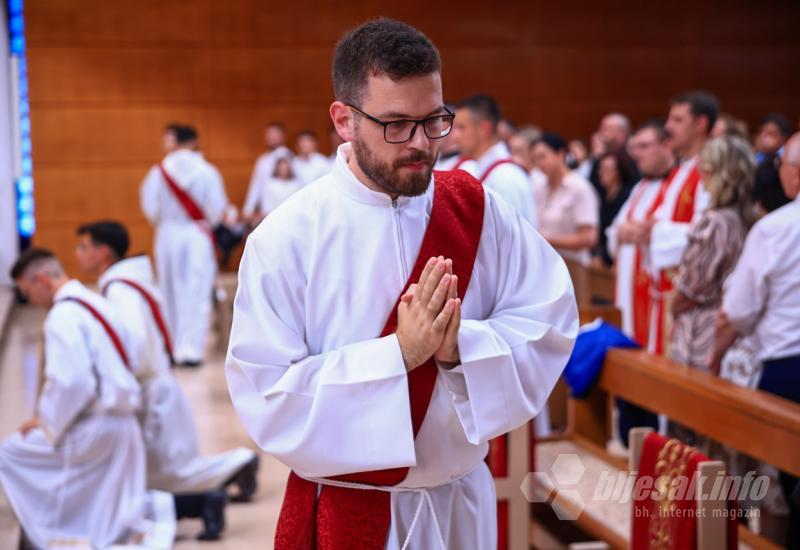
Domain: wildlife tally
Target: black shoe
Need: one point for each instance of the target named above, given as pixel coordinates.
(246, 480)
(191, 363)
(213, 515)
(209, 506)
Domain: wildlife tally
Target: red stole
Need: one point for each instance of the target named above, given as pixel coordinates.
(642, 281)
(112, 334)
(682, 213)
(497, 163)
(459, 163)
(353, 518)
(189, 205)
(154, 309)
(670, 523)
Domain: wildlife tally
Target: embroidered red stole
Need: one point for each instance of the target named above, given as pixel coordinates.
(682, 213)
(664, 517)
(340, 518)
(112, 334)
(155, 310)
(189, 205)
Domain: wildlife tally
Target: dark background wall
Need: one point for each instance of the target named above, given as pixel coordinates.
(105, 77)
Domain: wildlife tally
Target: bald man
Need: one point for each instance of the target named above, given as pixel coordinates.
(614, 133)
(762, 298)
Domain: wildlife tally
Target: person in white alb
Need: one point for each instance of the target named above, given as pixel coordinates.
(490, 160)
(762, 298)
(626, 237)
(275, 139)
(388, 323)
(75, 473)
(680, 203)
(174, 463)
(309, 164)
(184, 198)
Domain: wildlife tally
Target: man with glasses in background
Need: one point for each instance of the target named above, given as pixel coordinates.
(391, 320)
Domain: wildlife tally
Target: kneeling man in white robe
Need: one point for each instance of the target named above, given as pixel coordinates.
(383, 405)
(174, 463)
(75, 473)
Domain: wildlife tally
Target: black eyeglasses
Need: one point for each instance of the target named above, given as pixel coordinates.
(403, 130)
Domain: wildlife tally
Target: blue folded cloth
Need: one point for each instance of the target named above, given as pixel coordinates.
(586, 362)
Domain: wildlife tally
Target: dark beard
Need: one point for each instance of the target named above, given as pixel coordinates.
(387, 177)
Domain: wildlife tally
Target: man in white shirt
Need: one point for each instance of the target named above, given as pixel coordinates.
(475, 131)
(184, 198)
(309, 164)
(626, 235)
(264, 168)
(174, 463)
(389, 324)
(75, 472)
(691, 117)
(762, 298)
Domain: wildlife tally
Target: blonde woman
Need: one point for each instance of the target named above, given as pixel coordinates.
(727, 167)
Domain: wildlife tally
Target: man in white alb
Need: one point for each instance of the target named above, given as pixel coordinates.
(264, 169)
(75, 472)
(309, 164)
(476, 134)
(626, 235)
(184, 198)
(383, 405)
(174, 463)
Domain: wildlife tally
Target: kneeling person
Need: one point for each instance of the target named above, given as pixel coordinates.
(75, 472)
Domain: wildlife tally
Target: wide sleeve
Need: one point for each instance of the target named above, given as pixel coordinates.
(216, 199)
(668, 239)
(70, 379)
(700, 275)
(511, 360)
(253, 197)
(746, 289)
(150, 195)
(343, 411)
(613, 230)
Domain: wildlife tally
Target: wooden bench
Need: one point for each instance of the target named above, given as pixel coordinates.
(758, 424)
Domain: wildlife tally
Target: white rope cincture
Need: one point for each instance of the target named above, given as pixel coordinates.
(424, 497)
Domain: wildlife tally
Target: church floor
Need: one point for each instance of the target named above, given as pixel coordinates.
(248, 526)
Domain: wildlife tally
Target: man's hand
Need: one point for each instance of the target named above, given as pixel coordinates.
(29, 425)
(424, 313)
(448, 351)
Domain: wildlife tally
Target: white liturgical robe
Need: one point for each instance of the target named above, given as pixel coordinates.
(507, 180)
(184, 251)
(635, 209)
(311, 168)
(263, 170)
(80, 477)
(317, 388)
(173, 460)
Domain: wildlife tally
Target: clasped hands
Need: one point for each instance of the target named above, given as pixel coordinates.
(429, 316)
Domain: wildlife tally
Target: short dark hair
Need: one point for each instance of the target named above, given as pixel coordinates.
(553, 141)
(185, 134)
(380, 47)
(29, 257)
(657, 125)
(110, 233)
(484, 106)
(701, 103)
(307, 133)
(778, 120)
(172, 127)
(276, 124)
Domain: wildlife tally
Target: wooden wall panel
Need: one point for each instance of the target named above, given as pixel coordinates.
(105, 77)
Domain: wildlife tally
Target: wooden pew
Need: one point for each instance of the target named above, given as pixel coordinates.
(758, 424)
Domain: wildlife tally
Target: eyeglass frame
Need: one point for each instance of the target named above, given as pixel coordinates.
(417, 122)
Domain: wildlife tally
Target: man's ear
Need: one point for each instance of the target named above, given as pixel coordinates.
(342, 118)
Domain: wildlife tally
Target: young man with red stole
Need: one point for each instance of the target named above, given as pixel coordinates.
(391, 320)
